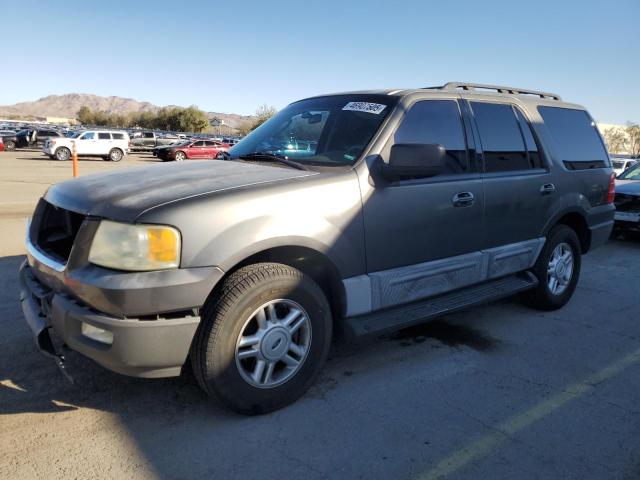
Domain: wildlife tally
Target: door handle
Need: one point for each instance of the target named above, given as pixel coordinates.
(547, 188)
(463, 199)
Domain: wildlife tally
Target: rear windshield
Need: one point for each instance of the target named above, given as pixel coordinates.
(574, 134)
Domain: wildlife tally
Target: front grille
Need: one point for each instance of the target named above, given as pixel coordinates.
(627, 203)
(54, 229)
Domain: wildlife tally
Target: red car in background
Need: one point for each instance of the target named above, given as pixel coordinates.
(197, 149)
(1, 145)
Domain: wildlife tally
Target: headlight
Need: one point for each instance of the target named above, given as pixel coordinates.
(124, 246)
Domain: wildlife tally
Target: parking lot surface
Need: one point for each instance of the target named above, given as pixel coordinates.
(497, 392)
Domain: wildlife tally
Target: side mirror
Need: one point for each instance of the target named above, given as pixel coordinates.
(419, 160)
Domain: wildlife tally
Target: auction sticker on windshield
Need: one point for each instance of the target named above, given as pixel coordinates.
(364, 107)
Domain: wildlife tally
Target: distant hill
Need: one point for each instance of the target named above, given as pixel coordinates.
(68, 105)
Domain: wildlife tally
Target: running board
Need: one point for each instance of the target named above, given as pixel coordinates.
(388, 320)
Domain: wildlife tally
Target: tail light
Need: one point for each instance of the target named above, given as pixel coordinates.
(611, 194)
(130, 144)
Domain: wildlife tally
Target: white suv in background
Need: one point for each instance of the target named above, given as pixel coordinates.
(108, 144)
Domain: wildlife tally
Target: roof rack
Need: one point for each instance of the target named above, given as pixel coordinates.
(497, 88)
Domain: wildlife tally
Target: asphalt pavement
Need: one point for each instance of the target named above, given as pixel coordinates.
(496, 392)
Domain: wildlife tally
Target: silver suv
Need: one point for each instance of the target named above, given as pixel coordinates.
(368, 211)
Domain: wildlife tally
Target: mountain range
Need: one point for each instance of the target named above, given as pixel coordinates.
(67, 106)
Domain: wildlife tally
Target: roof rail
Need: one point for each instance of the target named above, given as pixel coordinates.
(497, 88)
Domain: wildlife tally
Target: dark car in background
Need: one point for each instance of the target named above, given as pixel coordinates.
(196, 150)
(627, 200)
(155, 152)
(35, 138)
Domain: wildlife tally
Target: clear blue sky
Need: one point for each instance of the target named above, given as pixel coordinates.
(233, 56)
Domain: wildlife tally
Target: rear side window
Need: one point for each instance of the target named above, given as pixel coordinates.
(147, 134)
(104, 136)
(574, 135)
(501, 137)
(117, 136)
(436, 121)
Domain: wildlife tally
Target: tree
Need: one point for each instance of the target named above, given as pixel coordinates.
(616, 139)
(263, 113)
(85, 116)
(192, 120)
(633, 138)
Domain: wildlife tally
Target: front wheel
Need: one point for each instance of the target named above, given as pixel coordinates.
(180, 156)
(264, 336)
(115, 155)
(557, 270)
(62, 154)
(9, 145)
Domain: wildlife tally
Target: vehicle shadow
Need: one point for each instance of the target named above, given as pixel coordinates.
(165, 416)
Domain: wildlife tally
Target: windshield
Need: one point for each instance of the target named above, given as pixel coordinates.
(326, 131)
(632, 173)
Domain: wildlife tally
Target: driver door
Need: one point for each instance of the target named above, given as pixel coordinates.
(87, 144)
(421, 239)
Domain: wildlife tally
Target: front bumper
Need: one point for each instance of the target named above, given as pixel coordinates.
(140, 348)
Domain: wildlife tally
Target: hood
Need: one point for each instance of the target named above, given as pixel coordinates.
(127, 193)
(628, 187)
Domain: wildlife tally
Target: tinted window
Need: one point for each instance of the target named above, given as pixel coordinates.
(147, 134)
(47, 133)
(436, 121)
(197, 144)
(574, 134)
(104, 136)
(500, 136)
(210, 144)
(117, 136)
(535, 159)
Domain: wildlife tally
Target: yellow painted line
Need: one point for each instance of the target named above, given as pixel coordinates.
(484, 446)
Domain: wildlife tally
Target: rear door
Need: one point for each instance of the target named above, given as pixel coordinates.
(518, 186)
(148, 139)
(104, 143)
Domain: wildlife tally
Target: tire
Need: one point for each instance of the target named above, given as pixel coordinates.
(115, 155)
(10, 145)
(62, 154)
(232, 312)
(180, 156)
(561, 240)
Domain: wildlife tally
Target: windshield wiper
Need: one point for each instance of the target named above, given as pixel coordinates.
(272, 157)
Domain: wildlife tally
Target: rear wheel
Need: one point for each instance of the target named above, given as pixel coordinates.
(115, 155)
(264, 336)
(557, 270)
(62, 154)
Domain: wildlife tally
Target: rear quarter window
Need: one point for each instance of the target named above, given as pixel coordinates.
(574, 135)
(117, 136)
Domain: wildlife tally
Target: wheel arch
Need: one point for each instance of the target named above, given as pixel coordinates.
(577, 221)
(309, 261)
